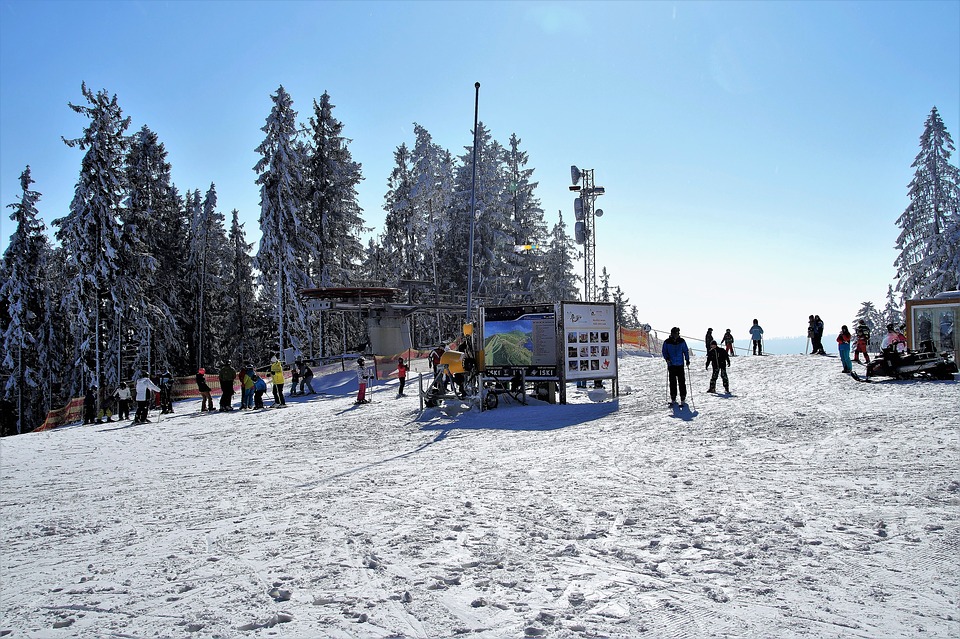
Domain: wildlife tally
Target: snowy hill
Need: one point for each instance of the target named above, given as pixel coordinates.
(806, 505)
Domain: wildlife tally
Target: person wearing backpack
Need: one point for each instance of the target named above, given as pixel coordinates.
(863, 340)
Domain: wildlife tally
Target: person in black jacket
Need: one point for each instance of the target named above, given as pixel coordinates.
(90, 406)
(206, 401)
(718, 358)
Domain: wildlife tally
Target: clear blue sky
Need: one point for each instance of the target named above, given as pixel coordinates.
(755, 154)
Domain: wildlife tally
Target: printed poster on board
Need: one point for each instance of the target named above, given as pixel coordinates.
(589, 341)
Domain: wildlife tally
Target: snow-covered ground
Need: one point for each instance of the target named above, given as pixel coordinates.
(806, 505)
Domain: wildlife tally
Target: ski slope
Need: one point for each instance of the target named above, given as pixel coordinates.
(805, 505)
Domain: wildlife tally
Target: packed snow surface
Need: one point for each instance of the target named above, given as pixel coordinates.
(804, 505)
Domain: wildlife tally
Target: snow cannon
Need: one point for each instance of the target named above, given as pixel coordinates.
(453, 360)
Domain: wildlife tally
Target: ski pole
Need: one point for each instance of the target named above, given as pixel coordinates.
(690, 384)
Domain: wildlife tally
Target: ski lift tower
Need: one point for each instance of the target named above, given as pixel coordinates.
(586, 214)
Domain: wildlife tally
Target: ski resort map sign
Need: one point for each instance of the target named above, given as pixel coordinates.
(520, 339)
(589, 340)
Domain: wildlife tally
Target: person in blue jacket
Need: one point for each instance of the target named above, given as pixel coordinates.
(676, 353)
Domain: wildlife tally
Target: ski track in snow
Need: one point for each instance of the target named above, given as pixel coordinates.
(805, 505)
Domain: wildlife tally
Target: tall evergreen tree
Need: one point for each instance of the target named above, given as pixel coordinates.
(929, 241)
(335, 216)
(872, 318)
(528, 224)
(208, 251)
(154, 235)
(560, 279)
(91, 235)
(238, 343)
(892, 313)
(23, 290)
(402, 231)
(288, 244)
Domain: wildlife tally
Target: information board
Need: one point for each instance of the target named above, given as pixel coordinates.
(520, 339)
(589, 340)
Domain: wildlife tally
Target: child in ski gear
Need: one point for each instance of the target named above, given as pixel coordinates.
(259, 388)
(843, 345)
(402, 375)
(719, 360)
(144, 386)
(728, 343)
(227, 376)
(166, 391)
(306, 378)
(246, 379)
(295, 377)
(708, 338)
(90, 406)
(675, 352)
(123, 401)
(863, 340)
(206, 402)
(756, 334)
(362, 381)
(276, 369)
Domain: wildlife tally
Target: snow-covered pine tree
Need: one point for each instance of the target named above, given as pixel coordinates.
(334, 214)
(929, 241)
(528, 224)
(402, 233)
(90, 233)
(22, 290)
(869, 314)
(238, 345)
(605, 293)
(560, 279)
(892, 313)
(623, 307)
(153, 235)
(289, 242)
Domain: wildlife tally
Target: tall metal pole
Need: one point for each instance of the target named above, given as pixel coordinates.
(473, 203)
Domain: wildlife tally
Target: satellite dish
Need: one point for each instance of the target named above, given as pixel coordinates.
(574, 174)
(599, 213)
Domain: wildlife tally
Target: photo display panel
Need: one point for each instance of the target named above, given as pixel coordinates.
(589, 341)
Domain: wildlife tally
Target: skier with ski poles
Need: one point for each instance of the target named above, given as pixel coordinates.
(756, 334)
(719, 359)
(676, 353)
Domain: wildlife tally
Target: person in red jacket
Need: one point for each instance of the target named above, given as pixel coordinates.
(402, 375)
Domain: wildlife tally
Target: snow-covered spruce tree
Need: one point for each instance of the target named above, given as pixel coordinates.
(528, 224)
(929, 241)
(288, 242)
(871, 317)
(623, 308)
(892, 313)
(604, 294)
(207, 252)
(90, 233)
(560, 279)
(23, 289)
(238, 345)
(153, 235)
(402, 232)
(334, 213)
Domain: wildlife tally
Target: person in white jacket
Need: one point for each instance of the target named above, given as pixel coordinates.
(144, 385)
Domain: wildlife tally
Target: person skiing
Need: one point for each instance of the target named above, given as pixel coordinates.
(90, 406)
(728, 343)
(227, 376)
(123, 401)
(276, 370)
(708, 338)
(206, 402)
(295, 377)
(675, 352)
(402, 375)
(144, 386)
(247, 383)
(259, 388)
(843, 345)
(863, 341)
(756, 334)
(719, 359)
(306, 378)
(362, 381)
(166, 391)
